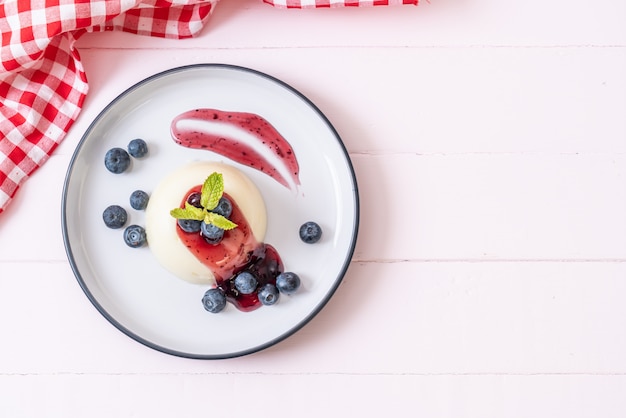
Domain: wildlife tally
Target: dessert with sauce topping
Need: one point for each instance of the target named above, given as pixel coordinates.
(205, 222)
(176, 250)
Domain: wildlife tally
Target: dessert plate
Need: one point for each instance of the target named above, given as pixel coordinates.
(130, 288)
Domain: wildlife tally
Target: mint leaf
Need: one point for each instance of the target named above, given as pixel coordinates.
(219, 221)
(189, 212)
(212, 191)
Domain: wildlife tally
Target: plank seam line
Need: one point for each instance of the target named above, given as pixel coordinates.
(381, 46)
(356, 260)
(487, 260)
(305, 374)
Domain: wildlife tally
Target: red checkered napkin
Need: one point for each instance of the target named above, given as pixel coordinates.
(42, 81)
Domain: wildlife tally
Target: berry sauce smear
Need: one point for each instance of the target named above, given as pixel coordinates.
(265, 139)
(238, 251)
(265, 265)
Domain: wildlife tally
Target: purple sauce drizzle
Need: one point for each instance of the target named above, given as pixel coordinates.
(265, 135)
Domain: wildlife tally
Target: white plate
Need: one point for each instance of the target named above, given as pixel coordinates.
(130, 289)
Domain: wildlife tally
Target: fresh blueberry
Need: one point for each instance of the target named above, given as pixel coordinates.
(135, 236)
(194, 199)
(268, 294)
(116, 160)
(114, 216)
(138, 148)
(224, 207)
(245, 282)
(288, 283)
(310, 232)
(211, 233)
(214, 300)
(139, 199)
(189, 225)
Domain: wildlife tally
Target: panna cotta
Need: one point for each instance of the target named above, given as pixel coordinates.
(205, 222)
(185, 255)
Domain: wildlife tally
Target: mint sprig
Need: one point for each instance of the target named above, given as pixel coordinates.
(210, 195)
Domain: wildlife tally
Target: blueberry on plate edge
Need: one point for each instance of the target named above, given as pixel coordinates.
(138, 148)
(214, 300)
(268, 294)
(135, 236)
(117, 160)
(139, 200)
(114, 216)
(310, 232)
(288, 282)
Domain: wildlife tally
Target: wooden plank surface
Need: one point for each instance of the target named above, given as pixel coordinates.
(489, 144)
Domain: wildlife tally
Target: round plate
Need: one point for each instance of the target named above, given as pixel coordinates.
(130, 288)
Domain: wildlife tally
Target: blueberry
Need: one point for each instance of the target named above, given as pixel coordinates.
(268, 294)
(189, 225)
(211, 233)
(287, 283)
(138, 148)
(310, 232)
(116, 160)
(139, 199)
(214, 300)
(114, 216)
(245, 282)
(194, 199)
(135, 236)
(224, 207)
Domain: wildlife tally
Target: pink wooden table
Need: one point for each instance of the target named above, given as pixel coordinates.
(489, 143)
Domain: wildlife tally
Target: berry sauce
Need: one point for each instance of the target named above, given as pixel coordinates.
(262, 131)
(236, 252)
(265, 266)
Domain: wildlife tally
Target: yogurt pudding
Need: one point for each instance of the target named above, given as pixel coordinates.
(184, 255)
(203, 258)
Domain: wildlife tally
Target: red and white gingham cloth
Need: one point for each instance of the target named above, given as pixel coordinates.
(42, 81)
